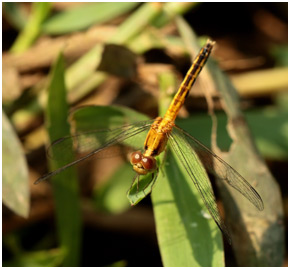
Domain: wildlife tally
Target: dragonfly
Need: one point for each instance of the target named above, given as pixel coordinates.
(163, 131)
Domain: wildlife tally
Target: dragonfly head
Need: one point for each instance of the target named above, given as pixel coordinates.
(142, 164)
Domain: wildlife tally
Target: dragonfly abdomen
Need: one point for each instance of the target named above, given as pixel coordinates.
(188, 81)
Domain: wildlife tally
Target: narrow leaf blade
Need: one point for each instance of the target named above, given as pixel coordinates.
(65, 185)
(84, 16)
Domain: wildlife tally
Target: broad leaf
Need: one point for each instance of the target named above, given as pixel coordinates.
(15, 184)
(187, 235)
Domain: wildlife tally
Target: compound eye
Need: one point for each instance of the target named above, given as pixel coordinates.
(136, 157)
(149, 163)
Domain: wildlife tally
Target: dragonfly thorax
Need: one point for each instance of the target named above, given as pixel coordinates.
(142, 164)
(157, 137)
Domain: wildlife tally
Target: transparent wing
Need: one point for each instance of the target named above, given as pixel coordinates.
(219, 168)
(189, 159)
(95, 142)
(84, 142)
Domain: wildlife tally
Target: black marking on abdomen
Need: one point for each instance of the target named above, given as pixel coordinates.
(186, 94)
(155, 151)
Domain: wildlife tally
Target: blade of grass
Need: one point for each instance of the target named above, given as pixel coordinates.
(32, 29)
(15, 184)
(83, 16)
(65, 184)
(136, 22)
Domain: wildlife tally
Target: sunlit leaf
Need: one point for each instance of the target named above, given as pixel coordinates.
(15, 180)
(85, 15)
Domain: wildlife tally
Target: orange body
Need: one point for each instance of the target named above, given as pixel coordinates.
(157, 136)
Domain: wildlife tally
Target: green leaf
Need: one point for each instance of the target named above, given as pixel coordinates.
(187, 235)
(32, 29)
(65, 184)
(83, 16)
(15, 184)
(141, 187)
